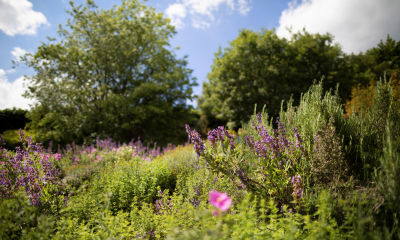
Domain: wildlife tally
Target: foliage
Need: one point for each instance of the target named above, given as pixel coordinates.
(265, 164)
(20, 220)
(356, 134)
(388, 180)
(362, 97)
(80, 163)
(267, 182)
(13, 119)
(329, 166)
(111, 74)
(261, 68)
(29, 171)
(370, 67)
(389, 52)
(11, 138)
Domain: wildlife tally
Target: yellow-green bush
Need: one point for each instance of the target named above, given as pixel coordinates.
(11, 138)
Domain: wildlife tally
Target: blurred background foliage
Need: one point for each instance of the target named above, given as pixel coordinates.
(261, 68)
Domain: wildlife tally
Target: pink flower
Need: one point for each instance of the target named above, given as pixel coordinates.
(83, 152)
(215, 212)
(147, 159)
(2, 162)
(57, 156)
(220, 200)
(75, 163)
(76, 159)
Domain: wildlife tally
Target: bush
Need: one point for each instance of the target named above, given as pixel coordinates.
(11, 138)
(329, 166)
(20, 220)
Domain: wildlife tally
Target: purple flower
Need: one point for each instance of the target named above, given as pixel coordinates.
(220, 200)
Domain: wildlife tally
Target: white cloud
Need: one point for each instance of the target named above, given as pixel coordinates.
(199, 23)
(357, 25)
(10, 71)
(17, 53)
(201, 11)
(176, 12)
(17, 17)
(244, 7)
(11, 93)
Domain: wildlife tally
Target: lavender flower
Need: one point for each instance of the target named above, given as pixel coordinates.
(30, 171)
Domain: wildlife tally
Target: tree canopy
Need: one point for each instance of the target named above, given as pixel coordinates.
(370, 67)
(264, 69)
(111, 74)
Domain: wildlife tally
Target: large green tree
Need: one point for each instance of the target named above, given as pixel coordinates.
(111, 73)
(264, 69)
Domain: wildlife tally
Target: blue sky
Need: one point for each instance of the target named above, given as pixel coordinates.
(202, 26)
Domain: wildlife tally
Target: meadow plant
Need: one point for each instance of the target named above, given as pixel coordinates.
(19, 219)
(221, 201)
(30, 171)
(264, 164)
(329, 167)
(79, 163)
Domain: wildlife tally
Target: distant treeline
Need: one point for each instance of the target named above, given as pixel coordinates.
(12, 119)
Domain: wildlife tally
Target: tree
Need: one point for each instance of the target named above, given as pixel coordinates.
(369, 68)
(112, 74)
(259, 68)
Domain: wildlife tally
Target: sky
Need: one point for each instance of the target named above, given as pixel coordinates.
(202, 27)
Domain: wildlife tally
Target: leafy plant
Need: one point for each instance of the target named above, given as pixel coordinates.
(265, 164)
(29, 171)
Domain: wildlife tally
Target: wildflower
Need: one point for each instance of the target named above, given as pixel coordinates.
(297, 191)
(57, 156)
(215, 212)
(220, 200)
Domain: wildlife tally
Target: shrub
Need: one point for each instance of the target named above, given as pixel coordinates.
(20, 220)
(266, 164)
(328, 163)
(11, 138)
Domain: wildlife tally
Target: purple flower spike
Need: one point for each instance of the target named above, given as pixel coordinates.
(220, 200)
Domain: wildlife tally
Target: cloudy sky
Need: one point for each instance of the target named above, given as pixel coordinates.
(202, 26)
